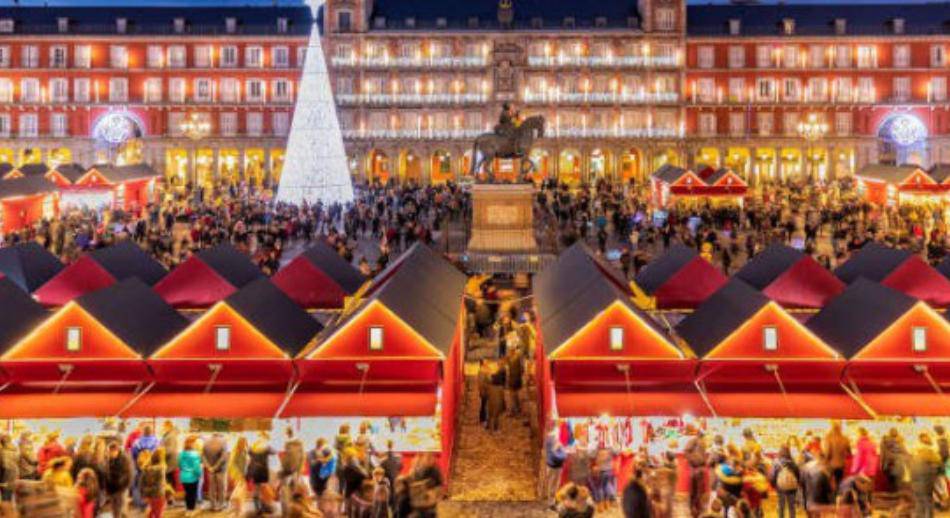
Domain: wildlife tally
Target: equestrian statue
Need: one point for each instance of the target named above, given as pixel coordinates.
(512, 139)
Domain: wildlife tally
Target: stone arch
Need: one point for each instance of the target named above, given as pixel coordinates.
(377, 166)
(410, 166)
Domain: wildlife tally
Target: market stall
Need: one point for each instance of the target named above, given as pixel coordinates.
(128, 187)
(208, 277)
(28, 265)
(98, 269)
(85, 362)
(65, 175)
(36, 169)
(26, 200)
(678, 279)
(392, 359)
(898, 185)
(899, 269)
(791, 278)
(671, 185)
(319, 278)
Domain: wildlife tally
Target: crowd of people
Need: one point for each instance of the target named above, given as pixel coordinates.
(145, 472)
(831, 475)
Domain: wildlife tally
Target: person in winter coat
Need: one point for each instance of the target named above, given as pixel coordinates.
(816, 484)
(496, 400)
(636, 501)
(9, 467)
(695, 455)
(321, 465)
(855, 493)
(87, 489)
(785, 479)
(836, 449)
(147, 441)
(152, 485)
(28, 463)
(237, 475)
(117, 479)
(865, 461)
(58, 472)
(190, 472)
(352, 474)
(894, 459)
(214, 461)
(258, 471)
(170, 442)
(924, 467)
(728, 483)
(51, 449)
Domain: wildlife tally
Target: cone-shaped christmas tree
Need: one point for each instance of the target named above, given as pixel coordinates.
(315, 164)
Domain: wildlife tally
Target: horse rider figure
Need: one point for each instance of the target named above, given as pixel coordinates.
(508, 122)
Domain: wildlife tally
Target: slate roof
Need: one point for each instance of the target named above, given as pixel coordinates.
(6, 167)
(873, 261)
(720, 315)
(71, 171)
(28, 265)
(146, 20)
(659, 270)
(939, 172)
(862, 312)
(135, 314)
(617, 14)
(944, 267)
(20, 314)
(231, 264)
(272, 313)
(25, 186)
(669, 173)
(327, 260)
(37, 169)
(768, 264)
(124, 173)
(818, 19)
(125, 259)
(887, 173)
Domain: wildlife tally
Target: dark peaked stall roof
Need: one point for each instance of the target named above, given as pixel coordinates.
(679, 278)
(19, 315)
(25, 186)
(768, 264)
(28, 265)
(720, 315)
(790, 277)
(331, 263)
(71, 171)
(272, 313)
(901, 270)
(125, 260)
(319, 278)
(857, 316)
(873, 261)
(944, 267)
(231, 264)
(135, 314)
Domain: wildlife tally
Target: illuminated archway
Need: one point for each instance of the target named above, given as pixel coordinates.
(57, 156)
(630, 165)
(598, 165)
(410, 166)
(708, 156)
(177, 166)
(569, 167)
(764, 168)
(739, 160)
(441, 166)
(791, 164)
(30, 155)
(542, 163)
(229, 164)
(377, 167)
(7, 155)
(666, 156)
(254, 166)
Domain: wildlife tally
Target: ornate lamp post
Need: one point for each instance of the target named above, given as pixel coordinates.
(812, 129)
(196, 128)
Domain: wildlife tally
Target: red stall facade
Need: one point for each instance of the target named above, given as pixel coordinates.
(679, 279)
(790, 277)
(319, 278)
(207, 277)
(899, 269)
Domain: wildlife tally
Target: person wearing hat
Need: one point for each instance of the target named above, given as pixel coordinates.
(322, 465)
(51, 449)
(924, 468)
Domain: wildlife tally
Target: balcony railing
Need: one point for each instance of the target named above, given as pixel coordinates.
(603, 61)
(555, 132)
(410, 99)
(599, 97)
(412, 62)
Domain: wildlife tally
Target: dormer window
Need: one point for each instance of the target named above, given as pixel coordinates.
(600, 21)
(344, 21)
(62, 24)
(222, 338)
(841, 26)
(919, 339)
(632, 22)
(537, 22)
(230, 25)
(735, 27)
(73, 339)
(616, 338)
(441, 22)
(282, 25)
(376, 338)
(472, 22)
(379, 22)
(770, 338)
(411, 22)
(569, 22)
(121, 25)
(788, 26)
(179, 25)
(898, 26)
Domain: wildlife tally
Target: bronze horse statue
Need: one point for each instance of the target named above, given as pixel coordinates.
(517, 144)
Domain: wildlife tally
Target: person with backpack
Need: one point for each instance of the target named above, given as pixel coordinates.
(554, 457)
(785, 477)
(695, 454)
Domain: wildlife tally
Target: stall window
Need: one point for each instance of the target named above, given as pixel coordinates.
(919, 335)
(616, 338)
(376, 338)
(73, 339)
(770, 338)
(222, 338)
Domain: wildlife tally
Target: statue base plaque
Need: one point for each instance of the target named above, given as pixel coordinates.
(502, 219)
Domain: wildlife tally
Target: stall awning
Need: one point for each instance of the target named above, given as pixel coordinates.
(49, 405)
(640, 404)
(367, 404)
(908, 404)
(830, 405)
(219, 405)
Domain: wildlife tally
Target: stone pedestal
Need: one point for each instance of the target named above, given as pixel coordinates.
(502, 219)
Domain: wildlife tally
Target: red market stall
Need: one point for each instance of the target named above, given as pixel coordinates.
(28, 265)
(898, 269)
(679, 279)
(37, 169)
(87, 359)
(758, 361)
(98, 269)
(130, 187)
(671, 184)
(20, 315)
(234, 361)
(393, 357)
(898, 348)
(208, 277)
(893, 185)
(791, 278)
(319, 278)
(65, 175)
(26, 200)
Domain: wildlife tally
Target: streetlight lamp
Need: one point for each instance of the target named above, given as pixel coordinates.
(812, 129)
(195, 127)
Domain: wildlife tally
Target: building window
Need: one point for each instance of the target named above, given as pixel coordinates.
(790, 123)
(229, 56)
(735, 26)
(763, 56)
(842, 89)
(59, 124)
(59, 90)
(62, 25)
(82, 56)
(816, 56)
(665, 19)
(736, 56)
(178, 24)
(616, 338)
(707, 124)
(29, 125)
(938, 56)
(174, 123)
(282, 25)
(202, 91)
(901, 88)
(203, 56)
(736, 124)
(6, 25)
(255, 124)
(6, 90)
(73, 339)
(843, 123)
(706, 57)
(770, 338)
(938, 89)
(737, 89)
(919, 339)
(867, 56)
(177, 56)
(765, 122)
(280, 57)
(253, 57)
(57, 56)
(29, 90)
(817, 89)
(222, 338)
(254, 91)
(898, 25)
(902, 56)
(344, 21)
(230, 90)
(4, 124)
(788, 26)
(706, 90)
(841, 26)
(4, 56)
(792, 89)
(281, 90)
(229, 124)
(121, 25)
(843, 56)
(281, 123)
(153, 90)
(81, 89)
(790, 56)
(118, 90)
(376, 338)
(30, 56)
(765, 90)
(176, 89)
(118, 56)
(866, 91)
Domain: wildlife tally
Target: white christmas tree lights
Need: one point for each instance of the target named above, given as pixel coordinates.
(315, 167)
